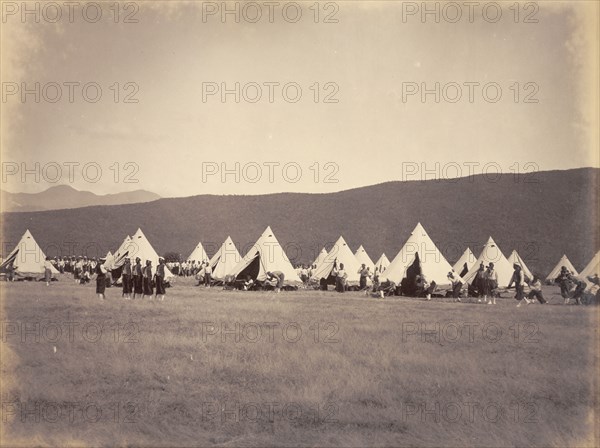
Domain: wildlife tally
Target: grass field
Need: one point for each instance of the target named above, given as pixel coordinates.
(310, 368)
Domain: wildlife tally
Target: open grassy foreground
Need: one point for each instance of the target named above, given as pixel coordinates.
(229, 368)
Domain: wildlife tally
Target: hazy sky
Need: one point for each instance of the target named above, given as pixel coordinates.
(370, 61)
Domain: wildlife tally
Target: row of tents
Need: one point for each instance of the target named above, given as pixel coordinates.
(418, 254)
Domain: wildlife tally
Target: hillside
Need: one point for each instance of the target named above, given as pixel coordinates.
(542, 220)
(65, 196)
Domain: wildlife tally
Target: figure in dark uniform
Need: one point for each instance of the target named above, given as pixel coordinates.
(160, 279)
(100, 280)
(563, 280)
(127, 279)
(148, 290)
(577, 293)
(138, 277)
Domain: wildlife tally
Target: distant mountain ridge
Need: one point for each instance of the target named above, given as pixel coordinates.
(543, 216)
(64, 197)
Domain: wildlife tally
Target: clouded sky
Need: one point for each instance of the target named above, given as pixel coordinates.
(329, 100)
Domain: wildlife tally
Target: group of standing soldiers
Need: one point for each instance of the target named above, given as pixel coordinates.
(485, 284)
(140, 280)
(82, 268)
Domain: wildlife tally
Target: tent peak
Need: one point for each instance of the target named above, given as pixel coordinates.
(341, 240)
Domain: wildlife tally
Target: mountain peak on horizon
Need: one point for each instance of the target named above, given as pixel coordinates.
(61, 187)
(63, 196)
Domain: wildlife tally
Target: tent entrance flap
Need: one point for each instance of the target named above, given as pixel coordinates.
(252, 270)
(409, 282)
(8, 263)
(215, 260)
(414, 269)
(332, 279)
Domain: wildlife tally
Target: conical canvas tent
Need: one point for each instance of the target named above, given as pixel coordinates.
(564, 261)
(465, 262)
(592, 268)
(225, 260)
(419, 249)
(383, 263)
(515, 258)
(198, 254)
(136, 246)
(322, 255)
(119, 256)
(363, 258)
(264, 256)
(26, 259)
(108, 259)
(340, 253)
(492, 253)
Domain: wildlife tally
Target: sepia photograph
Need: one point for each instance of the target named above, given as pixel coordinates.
(309, 223)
